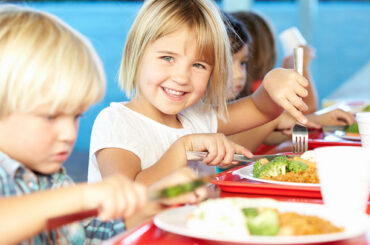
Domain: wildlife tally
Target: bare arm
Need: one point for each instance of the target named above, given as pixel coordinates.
(250, 112)
(115, 160)
(25, 216)
(220, 152)
(253, 138)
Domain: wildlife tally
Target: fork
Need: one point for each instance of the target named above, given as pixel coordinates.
(300, 133)
(299, 139)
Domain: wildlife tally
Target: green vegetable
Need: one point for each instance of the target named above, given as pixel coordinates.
(250, 212)
(177, 190)
(296, 166)
(352, 128)
(256, 168)
(266, 223)
(274, 167)
(367, 108)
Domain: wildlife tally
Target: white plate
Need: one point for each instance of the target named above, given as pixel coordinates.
(174, 220)
(247, 173)
(338, 131)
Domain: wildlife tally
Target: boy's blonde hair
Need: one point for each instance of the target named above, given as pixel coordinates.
(44, 61)
(158, 18)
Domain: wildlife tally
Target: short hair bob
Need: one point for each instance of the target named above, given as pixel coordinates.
(158, 18)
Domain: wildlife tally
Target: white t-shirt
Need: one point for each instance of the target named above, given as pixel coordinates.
(117, 126)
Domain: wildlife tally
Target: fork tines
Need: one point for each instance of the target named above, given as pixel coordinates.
(299, 139)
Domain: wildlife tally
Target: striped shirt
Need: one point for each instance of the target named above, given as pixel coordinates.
(17, 180)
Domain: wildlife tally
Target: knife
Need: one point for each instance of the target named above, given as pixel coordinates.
(155, 195)
(199, 156)
(177, 190)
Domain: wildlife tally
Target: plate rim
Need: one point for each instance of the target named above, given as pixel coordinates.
(347, 234)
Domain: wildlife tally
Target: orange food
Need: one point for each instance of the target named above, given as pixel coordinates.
(297, 224)
(308, 176)
(353, 134)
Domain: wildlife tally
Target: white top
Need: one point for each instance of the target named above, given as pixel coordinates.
(117, 126)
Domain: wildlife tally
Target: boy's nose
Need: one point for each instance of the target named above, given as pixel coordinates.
(68, 129)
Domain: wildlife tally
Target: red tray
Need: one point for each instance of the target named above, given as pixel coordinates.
(230, 182)
(316, 139)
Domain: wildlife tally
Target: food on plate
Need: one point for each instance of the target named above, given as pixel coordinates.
(352, 130)
(237, 217)
(281, 168)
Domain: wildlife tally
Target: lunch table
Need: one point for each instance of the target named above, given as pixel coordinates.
(230, 186)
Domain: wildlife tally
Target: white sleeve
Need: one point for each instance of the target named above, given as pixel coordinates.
(112, 130)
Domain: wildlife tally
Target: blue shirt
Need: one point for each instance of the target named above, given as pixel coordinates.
(17, 180)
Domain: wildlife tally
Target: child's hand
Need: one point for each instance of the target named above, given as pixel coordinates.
(182, 175)
(220, 149)
(285, 124)
(115, 197)
(335, 117)
(286, 88)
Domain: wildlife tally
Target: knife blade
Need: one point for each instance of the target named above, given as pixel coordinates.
(199, 156)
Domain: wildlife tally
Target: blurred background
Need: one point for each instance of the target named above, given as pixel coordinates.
(338, 30)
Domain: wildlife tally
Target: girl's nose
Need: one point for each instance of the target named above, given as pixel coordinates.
(180, 74)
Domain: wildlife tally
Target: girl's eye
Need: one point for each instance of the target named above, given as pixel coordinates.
(167, 58)
(200, 66)
(244, 63)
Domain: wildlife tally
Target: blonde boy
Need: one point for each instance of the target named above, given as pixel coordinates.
(50, 75)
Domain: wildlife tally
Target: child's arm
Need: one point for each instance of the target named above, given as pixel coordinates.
(333, 118)
(25, 216)
(221, 150)
(281, 89)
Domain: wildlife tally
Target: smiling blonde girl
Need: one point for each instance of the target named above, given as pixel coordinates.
(176, 64)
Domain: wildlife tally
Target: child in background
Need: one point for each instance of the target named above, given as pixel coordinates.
(252, 139)
(177, 60)
(263, 57)
(50, 75)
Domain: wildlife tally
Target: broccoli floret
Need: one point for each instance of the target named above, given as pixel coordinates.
(275, 167)
(256, 168)
(265, 223)
(351, 128)
(280, 159)
(250, 212)
(296, 166)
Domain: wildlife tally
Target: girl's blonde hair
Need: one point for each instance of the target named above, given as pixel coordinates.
(158, 18)
(44, 61)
